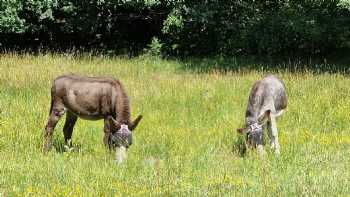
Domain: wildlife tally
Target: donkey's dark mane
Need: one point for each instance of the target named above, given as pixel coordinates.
(123, 105)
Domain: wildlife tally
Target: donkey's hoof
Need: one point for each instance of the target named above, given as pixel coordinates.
(46, 148)
(68, 148)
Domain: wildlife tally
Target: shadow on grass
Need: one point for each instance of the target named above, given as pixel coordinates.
(239, 147)
(333, 63)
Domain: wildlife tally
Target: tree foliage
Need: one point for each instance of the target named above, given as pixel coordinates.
(259, 27)
(182, 27)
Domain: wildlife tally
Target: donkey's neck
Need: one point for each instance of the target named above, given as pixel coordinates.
(122, 108)
(252, 113)
(251, 120)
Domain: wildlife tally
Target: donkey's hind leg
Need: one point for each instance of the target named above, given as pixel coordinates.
(269, 129)
(68, 127)
(57, 111)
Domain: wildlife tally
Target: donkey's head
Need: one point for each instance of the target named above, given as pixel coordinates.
(122, 133)
(254, 129)
(254, 134)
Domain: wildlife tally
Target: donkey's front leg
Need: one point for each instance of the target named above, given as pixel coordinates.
(68, 130)
(273, 134)
(107, 132)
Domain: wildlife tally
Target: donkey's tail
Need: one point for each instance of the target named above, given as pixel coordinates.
(51, 106)
(52, 96)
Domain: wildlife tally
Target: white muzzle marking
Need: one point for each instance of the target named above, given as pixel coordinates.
(120, 154)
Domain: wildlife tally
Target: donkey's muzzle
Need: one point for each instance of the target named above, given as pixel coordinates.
(121, 139)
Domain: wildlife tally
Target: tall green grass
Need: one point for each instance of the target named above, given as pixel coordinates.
(184, 146)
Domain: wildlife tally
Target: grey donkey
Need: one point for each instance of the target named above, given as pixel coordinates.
(91, 98)
(267, 101)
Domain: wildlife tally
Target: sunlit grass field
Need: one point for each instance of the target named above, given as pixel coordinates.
(185, 145)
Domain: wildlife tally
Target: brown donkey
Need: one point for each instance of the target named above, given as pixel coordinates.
(91, 98)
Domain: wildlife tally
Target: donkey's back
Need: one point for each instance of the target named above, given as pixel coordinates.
(268, 93)
(67, 81)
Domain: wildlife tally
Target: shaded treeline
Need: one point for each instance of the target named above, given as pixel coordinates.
(205, 27)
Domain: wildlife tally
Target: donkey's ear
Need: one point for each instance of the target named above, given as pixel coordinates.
(265, 116)
(113, 123)
(242, 130)
(134, 123)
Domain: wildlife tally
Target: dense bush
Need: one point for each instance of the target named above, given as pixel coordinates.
(259, 27)
(91, 24)
(10, 22)
(183, 27)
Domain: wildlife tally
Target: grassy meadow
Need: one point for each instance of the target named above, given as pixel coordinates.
(185, 145)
